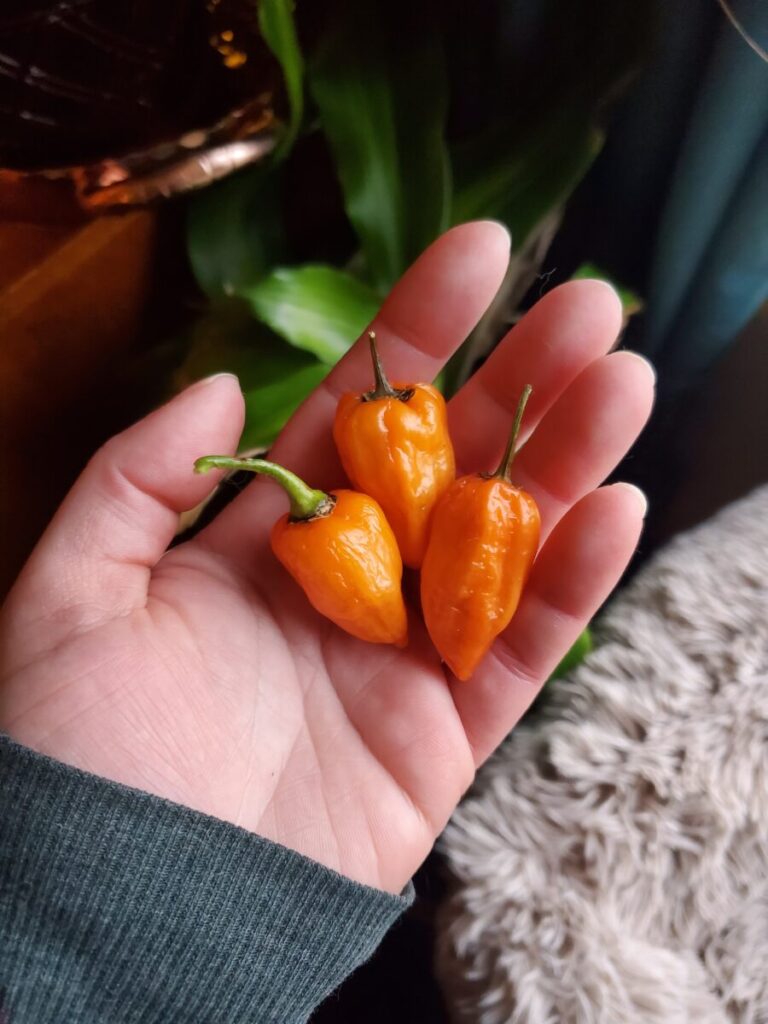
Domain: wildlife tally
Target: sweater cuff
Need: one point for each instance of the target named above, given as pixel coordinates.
(118, 906)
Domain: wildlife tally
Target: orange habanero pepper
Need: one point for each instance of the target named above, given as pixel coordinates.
(483, 541)
(394, 445)
(340, 550)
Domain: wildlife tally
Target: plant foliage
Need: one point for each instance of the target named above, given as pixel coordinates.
(423, 117)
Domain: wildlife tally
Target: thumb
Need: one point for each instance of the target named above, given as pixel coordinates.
(94, 560)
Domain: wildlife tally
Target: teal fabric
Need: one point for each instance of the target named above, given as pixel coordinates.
(119, 907)
(710, 271)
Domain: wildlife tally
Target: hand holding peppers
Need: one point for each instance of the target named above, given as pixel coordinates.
(480, 532)
(216, 692)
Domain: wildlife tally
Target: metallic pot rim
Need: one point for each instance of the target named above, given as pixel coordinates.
(171, 167)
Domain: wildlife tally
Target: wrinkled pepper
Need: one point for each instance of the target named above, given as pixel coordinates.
(394, 444)
(340, 550)
(484, 537)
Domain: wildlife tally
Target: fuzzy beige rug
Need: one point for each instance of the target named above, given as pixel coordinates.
(611, 862)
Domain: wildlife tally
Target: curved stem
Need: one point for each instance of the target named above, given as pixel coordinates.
(509, 453)
(306, 503)
(383, 388)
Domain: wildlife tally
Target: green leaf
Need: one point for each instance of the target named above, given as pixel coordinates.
(275, 377)
(227, 338)
(521, 181)
(279, 31)
(317, 308)
(575, 655)
(631, 302)
(268, 408)
(524, 182)
(235, 232)
(380, 84)
(234, 227)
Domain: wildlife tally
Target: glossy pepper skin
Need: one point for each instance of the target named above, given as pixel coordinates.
(348, 565)
(484, 538)
(394, 445)
(341, 551)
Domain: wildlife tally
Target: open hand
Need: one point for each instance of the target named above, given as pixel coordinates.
(203, 675)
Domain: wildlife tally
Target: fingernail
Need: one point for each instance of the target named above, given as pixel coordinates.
(499, 227)
(638, 496)
(646, 364)
(601, 283)
(215, 376)
(606, 284)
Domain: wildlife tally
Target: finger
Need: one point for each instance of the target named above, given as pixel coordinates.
(584, 435)
(563, 333)
(574, 574)
(428, 314)
(95, 558)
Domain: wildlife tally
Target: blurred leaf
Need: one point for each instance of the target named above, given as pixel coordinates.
(521, 181)
(524, 183)
(381, 88)
(235, 231)
(234, 228)
(524, 266)
(279, 31)
(575, 656)
(315, 307)
(630, 301)
(275, 377)
(572, 659)
(268, 408)
(227, 338)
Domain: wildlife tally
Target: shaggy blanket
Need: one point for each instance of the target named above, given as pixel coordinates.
(611, 862)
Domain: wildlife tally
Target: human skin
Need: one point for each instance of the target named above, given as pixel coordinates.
(201, 673)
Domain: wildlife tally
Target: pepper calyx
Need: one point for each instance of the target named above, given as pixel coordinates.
(323, 509)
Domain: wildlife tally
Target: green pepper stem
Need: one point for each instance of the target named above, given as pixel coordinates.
(306, 503)
(509, 453)
(383, 388)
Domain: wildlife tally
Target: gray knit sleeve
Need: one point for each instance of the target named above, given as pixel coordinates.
(119, 907)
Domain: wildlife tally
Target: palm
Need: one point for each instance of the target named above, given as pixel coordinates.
(206, 677)
(260, 713)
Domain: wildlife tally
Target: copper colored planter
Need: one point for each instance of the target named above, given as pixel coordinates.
(133, 100)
